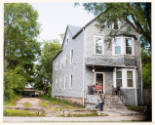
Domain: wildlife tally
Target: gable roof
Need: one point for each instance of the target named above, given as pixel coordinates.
(73, 30)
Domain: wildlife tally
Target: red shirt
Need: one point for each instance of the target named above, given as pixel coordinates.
(98, 87)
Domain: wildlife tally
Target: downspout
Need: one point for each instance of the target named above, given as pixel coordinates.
(84, 67)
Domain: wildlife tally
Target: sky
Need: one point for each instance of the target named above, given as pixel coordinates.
(54, 18)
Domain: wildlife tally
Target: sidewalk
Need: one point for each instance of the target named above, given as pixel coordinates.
(112, 118)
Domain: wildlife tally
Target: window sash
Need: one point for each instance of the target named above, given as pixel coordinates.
(98, 45)
(128, 44)
(119, 78)
(117, 46)
(130, 78)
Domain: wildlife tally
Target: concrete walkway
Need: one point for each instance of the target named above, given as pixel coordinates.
(112, 118)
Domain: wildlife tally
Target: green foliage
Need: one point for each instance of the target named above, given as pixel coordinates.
(43, 73)
(12, 101)
(15, 112)
(146, 60)
(14, 83)
(21, 48)
(137, 15)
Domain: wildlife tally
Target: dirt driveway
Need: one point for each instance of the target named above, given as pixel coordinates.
(34, 102)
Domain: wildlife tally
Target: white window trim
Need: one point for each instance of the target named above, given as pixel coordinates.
(67, 38)
(132, 46)
(65, 81)
(94, 39)
(134, 79)
(71, 56)
(70, 81)
(121, 45)
(124, 78)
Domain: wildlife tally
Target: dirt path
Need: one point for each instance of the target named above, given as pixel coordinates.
(33, 101)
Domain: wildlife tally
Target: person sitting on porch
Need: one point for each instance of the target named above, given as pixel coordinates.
(91, 89)
(98, 88)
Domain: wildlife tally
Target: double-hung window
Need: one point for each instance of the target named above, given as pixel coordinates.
(117, 46)
(130, 78)
(119, 78)
(98, 45)
(71, 56)
(129, 49)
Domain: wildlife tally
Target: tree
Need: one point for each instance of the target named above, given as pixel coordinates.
(137, 15)
(44, 69)
(20, 45)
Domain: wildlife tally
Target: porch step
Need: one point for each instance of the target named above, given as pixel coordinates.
(113, 103)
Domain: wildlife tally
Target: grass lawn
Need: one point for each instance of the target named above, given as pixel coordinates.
(12, 102)
(137, 108)
(27, 105)
(15, 112)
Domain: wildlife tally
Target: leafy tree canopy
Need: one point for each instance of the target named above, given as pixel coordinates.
(20, 45)
(138, 15)
(43, 72)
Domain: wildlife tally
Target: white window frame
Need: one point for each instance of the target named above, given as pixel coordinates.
(134, 78)
(71, 56)
(132, 46)
(70, 81)
(121, 78)
(102, 38)
(67, 38)
(124, 78)
(121, 46)
(65, 82)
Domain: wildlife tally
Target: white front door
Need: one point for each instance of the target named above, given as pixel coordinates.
(100, 79)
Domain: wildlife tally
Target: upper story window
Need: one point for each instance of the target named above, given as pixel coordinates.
(98, 45)
(129, 48)
(130, 78)
(117, 44)
(123, 46)
(67, 38)
(119, 78)
(115, 25)
(71, 56)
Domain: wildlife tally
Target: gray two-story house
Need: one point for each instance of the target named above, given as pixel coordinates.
(87, 58)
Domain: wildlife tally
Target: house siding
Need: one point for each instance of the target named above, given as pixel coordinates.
(76, 69)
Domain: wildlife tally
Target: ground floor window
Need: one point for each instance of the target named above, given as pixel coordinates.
(119, 78)
(130, 78)
(125, 78)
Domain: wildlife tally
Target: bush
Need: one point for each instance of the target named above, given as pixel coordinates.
(14, 82)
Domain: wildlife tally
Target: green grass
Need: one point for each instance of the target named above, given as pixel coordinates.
(44, 104)
(137, 108)
(64, 103)
(27, 104)
(12, 102)
(15, 112)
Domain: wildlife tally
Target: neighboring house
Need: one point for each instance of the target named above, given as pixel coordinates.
(86, 58)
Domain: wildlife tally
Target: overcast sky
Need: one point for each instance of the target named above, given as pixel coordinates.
(54, 17)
